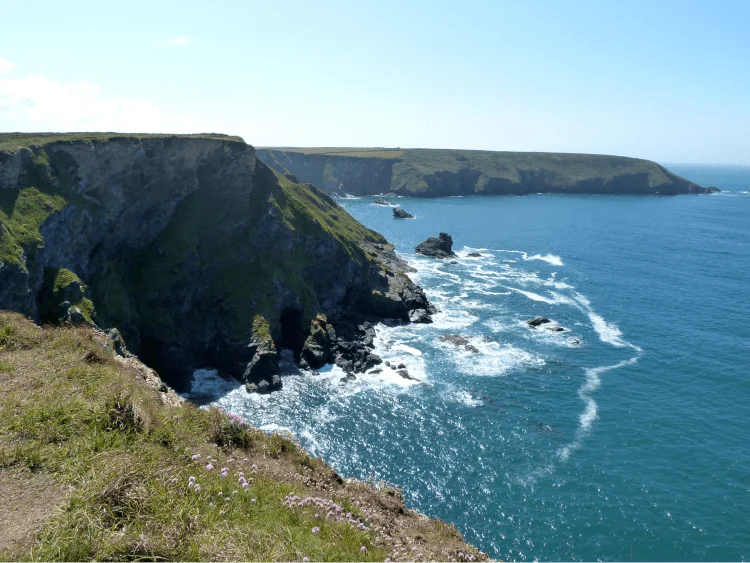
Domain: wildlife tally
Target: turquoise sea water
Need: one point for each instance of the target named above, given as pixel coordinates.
(632, 445)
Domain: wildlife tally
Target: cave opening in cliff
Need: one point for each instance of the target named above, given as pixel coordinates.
(292, 330)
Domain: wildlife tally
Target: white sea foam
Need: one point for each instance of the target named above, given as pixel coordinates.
(549, 258)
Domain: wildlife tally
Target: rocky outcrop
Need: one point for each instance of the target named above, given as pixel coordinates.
(182, 243)
(262, 373)
(316, 351)
(440, 173)
(399, 213)
(440, 247)
(537, 321)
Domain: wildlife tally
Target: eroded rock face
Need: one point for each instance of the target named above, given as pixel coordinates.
(440, 247)
(182, 242)
(316, 351)
(262, 374)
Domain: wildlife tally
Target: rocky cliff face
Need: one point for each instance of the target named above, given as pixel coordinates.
(183, 243)
(436, 173)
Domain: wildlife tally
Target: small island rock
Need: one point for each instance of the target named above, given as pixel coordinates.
(399, 213)
(440, 247)
(536, 321)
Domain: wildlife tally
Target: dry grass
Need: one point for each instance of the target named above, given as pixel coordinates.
(99, 456)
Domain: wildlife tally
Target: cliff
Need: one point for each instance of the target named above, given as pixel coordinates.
(436, 173)
(195, 250)
(99, 461)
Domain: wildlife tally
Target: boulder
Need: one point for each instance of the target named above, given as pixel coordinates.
(420, 316)
(401, 214)
(262, 374)
(474, 255)
(537, 321)
(555, 328)
(440, 247)
(471, 348)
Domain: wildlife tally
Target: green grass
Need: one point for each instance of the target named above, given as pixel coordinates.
(15, 141)
(68, 410)
(454, 172)
(22, 213)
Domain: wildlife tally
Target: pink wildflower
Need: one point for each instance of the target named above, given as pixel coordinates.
(315, 530)
(195, 456)
(209, 467)
(197, 488)
(245, 485)
(363, 549)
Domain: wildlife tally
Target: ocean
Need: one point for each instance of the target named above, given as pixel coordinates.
(624, 437)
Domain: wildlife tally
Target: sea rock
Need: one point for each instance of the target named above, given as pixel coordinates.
(474, 255)
(555, 328)
(440, 247)
(262, 373)
(537, 321)
(454, 339)
(316, 350)
(382, 202)
(405, 374)
(399, 213)
(471, 348)
(420, 316)
(574, 341)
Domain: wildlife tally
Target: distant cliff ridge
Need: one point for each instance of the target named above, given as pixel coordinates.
(438, 172)
(195, 250)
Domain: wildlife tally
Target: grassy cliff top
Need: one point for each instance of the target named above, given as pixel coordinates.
(15, 141)
(99, 461)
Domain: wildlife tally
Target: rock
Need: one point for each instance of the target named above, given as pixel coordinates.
(376, 370)
(405, 374)
(118, 344)
(555, 328)
(387, 363)
(343, 363)
(75, 316)
(453, 262)
(474, 254)
(536, 321)
(401, 366)
(262, 373)
(399, 213)
(440, 247)
(316, 350)
(454, 339)
(382, 202)
(471, 348)
(420, 316)
(574, 341)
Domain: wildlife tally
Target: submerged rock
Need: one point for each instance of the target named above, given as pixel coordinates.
(474, 255)
(537, 321)
(440, 247)
(555, 328)
(399, 213)
(382, 202)
(459, 341)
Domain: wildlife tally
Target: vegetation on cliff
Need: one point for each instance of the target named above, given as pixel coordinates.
(100, 461)
(180, 242)
(438, 172)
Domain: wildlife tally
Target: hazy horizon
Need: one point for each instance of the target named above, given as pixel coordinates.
(663, 81)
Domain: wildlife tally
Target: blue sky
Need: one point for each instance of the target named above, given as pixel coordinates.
(665, 80)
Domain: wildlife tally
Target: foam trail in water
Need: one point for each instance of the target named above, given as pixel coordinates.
(549, 258)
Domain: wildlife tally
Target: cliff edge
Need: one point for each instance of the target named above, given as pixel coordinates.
(198, 253)
(438, 172)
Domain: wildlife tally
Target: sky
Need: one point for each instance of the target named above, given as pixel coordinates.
(664, 80)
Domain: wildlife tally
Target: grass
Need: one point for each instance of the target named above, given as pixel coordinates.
(457, 172)
(146, 476)
(22, 213)
(69, 410)
(16, 141)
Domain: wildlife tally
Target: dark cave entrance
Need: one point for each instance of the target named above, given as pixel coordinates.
(292, 330)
